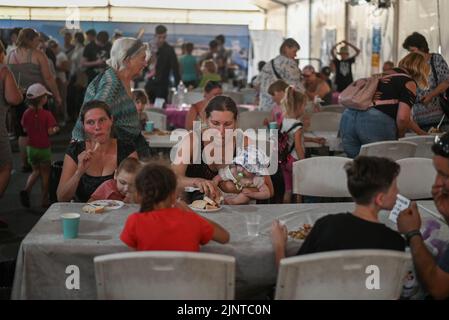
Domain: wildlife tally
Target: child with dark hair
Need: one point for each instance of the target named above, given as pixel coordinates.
(140, 99)
(163, 223)
(372, 185)
(39, 125)
(122, 186)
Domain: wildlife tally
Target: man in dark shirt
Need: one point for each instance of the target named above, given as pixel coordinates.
(95, 55)
(372, 185)
(343, 67)
(434, 275)
(165, 62)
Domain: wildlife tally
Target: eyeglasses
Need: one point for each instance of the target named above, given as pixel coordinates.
(441, 145)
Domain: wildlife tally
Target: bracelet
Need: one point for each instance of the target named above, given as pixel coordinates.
(411, 234)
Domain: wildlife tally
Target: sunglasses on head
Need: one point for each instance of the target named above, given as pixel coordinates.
(441, 145)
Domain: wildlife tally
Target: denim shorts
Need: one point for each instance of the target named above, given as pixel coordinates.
(361, 127)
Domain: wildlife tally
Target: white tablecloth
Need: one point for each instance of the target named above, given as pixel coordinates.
(333, 141)
(44, 255)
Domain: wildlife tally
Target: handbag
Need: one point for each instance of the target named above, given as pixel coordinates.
(444, 97)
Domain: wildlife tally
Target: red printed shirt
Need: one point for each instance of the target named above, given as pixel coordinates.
(36, 124)
(107, 191)
(167, 229)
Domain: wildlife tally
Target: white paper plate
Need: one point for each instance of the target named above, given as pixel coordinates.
(109, 204)
(204, 210)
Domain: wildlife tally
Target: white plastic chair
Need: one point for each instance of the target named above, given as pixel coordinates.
(325, 121)
(253, 119)
(192, 97)
(162, 275)
(236, 96)
(394, 150)
(249, 95)
(333, 108)
(157, 110)
(424, 145)
(416, 178)
(159, 119)
(321, 177)
(343, 275)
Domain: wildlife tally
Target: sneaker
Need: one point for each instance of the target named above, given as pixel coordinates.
(24, 199)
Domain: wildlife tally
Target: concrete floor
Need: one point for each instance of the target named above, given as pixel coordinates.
(21, 220)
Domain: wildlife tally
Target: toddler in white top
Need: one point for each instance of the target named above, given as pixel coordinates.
(244, 181)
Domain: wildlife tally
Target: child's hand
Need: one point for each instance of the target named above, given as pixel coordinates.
(53, 130)
(247, 192)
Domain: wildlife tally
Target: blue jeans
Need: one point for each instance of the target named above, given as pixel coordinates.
(361, 127)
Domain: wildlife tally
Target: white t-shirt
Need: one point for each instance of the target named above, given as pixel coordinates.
(287, 123)
(61, 58)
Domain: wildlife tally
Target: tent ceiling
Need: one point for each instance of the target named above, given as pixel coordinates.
(234, 5)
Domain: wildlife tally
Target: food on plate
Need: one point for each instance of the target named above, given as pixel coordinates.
(111, 204)
(210, 201)
(199, 204)
(301, 233)
(435, 130)
(207, 203)
(93, 208)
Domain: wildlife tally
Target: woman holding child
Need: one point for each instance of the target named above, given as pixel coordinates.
(221, 115)
(89, 163)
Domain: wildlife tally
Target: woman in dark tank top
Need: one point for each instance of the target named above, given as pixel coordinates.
(221, 114)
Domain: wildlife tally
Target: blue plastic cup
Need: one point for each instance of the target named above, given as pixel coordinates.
(149, 127)
(273, 125)
(70, 225)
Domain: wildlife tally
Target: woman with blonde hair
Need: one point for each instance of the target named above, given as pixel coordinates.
(209, 70)
(390, 115)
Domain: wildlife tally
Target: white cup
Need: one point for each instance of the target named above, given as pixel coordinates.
(252, 224)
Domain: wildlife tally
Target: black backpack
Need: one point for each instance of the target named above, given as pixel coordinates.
(283, 148)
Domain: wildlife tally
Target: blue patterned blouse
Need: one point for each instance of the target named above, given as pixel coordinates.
(107, 87)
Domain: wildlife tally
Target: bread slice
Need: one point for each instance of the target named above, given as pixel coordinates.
(210, 201)
(88, 208)
(199, 204)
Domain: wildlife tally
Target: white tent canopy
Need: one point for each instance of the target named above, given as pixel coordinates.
(234, 12)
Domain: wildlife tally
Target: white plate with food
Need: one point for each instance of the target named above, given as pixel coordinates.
(206, 205)
(108, 204)
(301, 233)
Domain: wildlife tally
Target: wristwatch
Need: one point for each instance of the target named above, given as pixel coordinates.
(411, 234)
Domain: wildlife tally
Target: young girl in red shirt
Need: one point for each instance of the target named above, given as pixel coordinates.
(162, 223)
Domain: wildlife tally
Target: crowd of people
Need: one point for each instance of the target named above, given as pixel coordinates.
(90, 83)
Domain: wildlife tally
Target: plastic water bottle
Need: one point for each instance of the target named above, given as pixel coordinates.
(180, 94)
